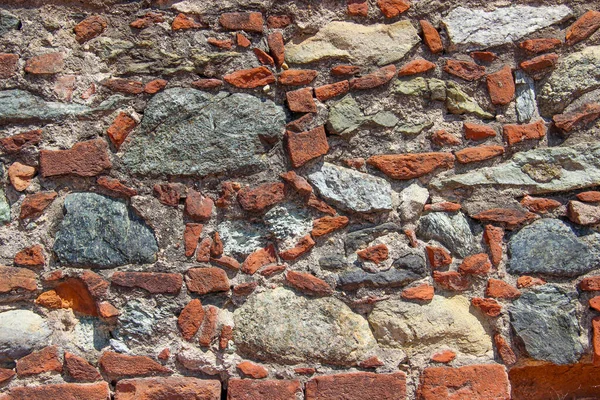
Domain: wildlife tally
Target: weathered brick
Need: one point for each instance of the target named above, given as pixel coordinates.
(539, 45)
(190, 319)
(252, 370)
(371, 363)
(501, 290)
(124, 86)
(149, 19)
(539, 205)
(374, 79)
(393, 8)
(89, 28)
(320, 205)
(301, 100)
(442, 206)
(169, 194)
(345, 70)
(278, 21)
(88, 158)
(438, 257)
(504, 350)
(115, 186)
(509, 217)
(261, 197)
(451, 280)
(276, 47)
(493, 236)
(409, 166)
(209, 325)
(120, 129)
(272, 270)
(476, 264)
(478, 132)
(443, 138)
(197, 206)
(501, 86)
(168, 388)
(117, 366)
(263, 57)
(423, 292)
(107, 310)
(488, 306)
(332, 90)
(73, 294)
(477, 154)
(45, 64)
(584, 27)
(589, 197)
(537, 66)
(357, 8)
(155, 86)
(529, 281)
(259, 259)
(244, 21)
(305, 146)
(227, 262)
(483, 56)
(204, 84)
(443, 357)
(203, 253)
(80, 370)
(417, 66)
(250, 78)
(377, 253)
(301, 124)
(244, 289)
(191, 235)
(473, 382)
(308, 283)
(242, 40)
(15, 143)
(357, 386)
(216, 246)
(206, 280)
(31, 257)
(185, 22)
(326, 225)
(577, 119)
(34, 204)
(466, 70)
(431, 37)
(38, 362)
(583, 213)
(8, 65)
(70, 391)
(20, 175)
(6, 375)
(297, 77)
(590, 284)
(250, 389)
(299, 184)
(302, 247)
(153, 282)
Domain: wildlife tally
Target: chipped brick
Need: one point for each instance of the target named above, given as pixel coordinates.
(466, 70)
(374, 79)
(120, 129)
(88, 158)
(409, 166)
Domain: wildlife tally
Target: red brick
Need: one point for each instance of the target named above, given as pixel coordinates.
(244, 21)
(583, 213)
(501, 86)
(590, 284)
(88, 158)
(153, 282)
(67, 391)
(250, 389)
(584, 27)
(185, 22)
(326, 225)
(38, 362)
(376, 254)
(357, 8)
(412, 238)
(509, 217)
(124, 86)
(299, 184)
(263, 57)
(250, 78)
(278, 21)
(320, 205)
(6, 375)
(305, 371)
(209, 325)
(594, 303)
(276, 47)
(451, 280)
(393, 8)
(191, 235)
(308, 283)
(488, 306)
(473, 382)
(73, 294)
(431, 37)
(261, 197)
(95, 284)
(270, 271)
(115, 186)
(578, 119)
(438, 257)
(305, 146)
(34, 204)
(251, 370)
(357, 386)
(330, 91)
(216, 246)
(444, 356)
(225, 337)
(529, 281)
(374, 79)
(504, 350)
(207, 280)
(259, 259)
(539, 45)
(120, 129)
(107, 310)
(345, 70)
(501, 290)
(228, 191)
(226, 261)
(168, 388)
(14, 144)
(422, 292)
(483, 56)
(225, 44)
(204, 84)
(149, 19)
(443, 138)
(476, 264)
(8, 65)
(301, 100)
(477, 154)
(169, 194)
(537, 66)
(417, 66)
(117, 366)
(539, 205)
(589, 197)
(197, 206)
(297, 77)
(356, 163)
(155, 86)
(89, 28)
(31, 257)
(493, 238)
(409, 166)
(518, 133)
(303, 246)
(301, 124)
(203, 253)
(45, 64)
(443, 206)
(20, 175)
(244, 289)
(242, 40)
(190, 319)
(478, 132)
(466, 70)
(80, 370)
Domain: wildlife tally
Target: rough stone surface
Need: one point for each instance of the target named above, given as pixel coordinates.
(21, 332)
(452, 231)
(545, 320)
(267, 325)
(102, 232)
(345, 117)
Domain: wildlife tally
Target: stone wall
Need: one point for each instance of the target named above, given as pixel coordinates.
(320, 200)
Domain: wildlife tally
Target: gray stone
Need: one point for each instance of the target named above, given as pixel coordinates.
(437, 89)
(352, 190)
(8, 22)
(288, 221)
(385, 119)
(452, 231)
(140, 320)
(111, 48)
(241, 238)
(4, 208)
(21, 332)
(458, 102)
(189, 132)
(333, 262)
(551, 169)
(549, 246)
(525, 97)
(380, 44)
(480, 29)
(413, 128)
(412, 201)
(576, 74)
(423, 328)
(277, 325)
(544, 319)
(360, 238)
(20, 105)
(102, 232)
(345, 117)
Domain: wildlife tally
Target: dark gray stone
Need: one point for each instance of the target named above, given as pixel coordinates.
(332, 262)
(102, 232)
(8, 22)
(189, 132)
(545, 321)
(357, 239)
(452, 231)
(549, 246)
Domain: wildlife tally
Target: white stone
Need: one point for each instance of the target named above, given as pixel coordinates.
(21, 332)
(525, 96)
(412, 201)
(480, 29)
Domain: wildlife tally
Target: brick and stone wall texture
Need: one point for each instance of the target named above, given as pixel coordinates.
(299, 199)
